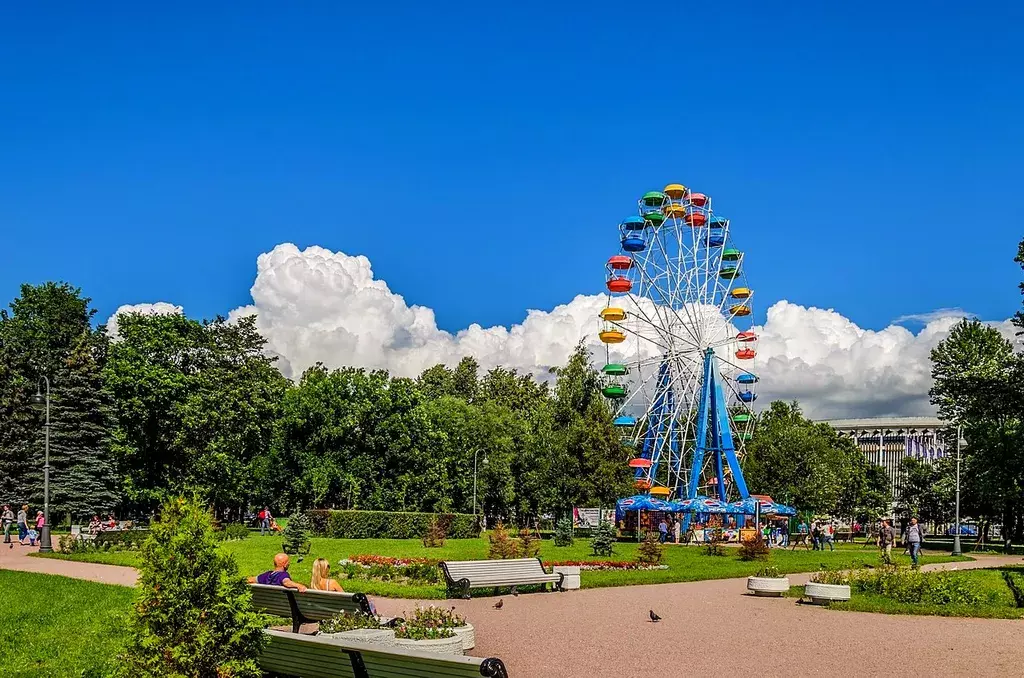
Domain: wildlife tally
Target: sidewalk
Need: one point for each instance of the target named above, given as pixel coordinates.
(17, 558)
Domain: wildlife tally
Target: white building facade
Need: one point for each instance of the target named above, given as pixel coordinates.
(885, 441)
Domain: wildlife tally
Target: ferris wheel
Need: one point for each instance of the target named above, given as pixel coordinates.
(680, 347)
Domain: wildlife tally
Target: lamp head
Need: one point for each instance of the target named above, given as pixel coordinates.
(38, 402)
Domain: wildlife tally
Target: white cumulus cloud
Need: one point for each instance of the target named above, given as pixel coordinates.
(315, 305)
(159, 308)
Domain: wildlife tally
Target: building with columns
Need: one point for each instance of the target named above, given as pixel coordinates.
(887, 440)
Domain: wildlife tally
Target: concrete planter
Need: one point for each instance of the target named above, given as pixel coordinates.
(384, 637)
(821, 594)
(572, 576)
(468, 635)
(768, 586)
(439, 646)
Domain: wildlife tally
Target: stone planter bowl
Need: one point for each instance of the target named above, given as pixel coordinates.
(768, 586)
(376, 636)
(468, 635)
(439, 646)
(821, 594)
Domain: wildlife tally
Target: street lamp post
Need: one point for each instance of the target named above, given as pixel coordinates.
(956, 528)
(474, 478)
(39, 403)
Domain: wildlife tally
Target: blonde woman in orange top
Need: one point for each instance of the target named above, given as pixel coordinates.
(321, 580)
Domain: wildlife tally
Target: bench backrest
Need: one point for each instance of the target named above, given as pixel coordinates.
(315, 657)
(311, 605)
(485, 572)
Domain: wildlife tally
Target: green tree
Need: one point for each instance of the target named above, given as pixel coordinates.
(48, 332)
(196, 406)
(810, 466)
(978, 385)
(193, 615)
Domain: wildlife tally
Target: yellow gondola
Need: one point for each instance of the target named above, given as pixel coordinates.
(675, 191)
(613, 314)
(660, 492)
(674, 211)
(740, 310)
(612, 336)
(740, 293)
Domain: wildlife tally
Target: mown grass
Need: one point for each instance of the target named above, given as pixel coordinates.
(55, 626)
(685, 563)
(998, 602)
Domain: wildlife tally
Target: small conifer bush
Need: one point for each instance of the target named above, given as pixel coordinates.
(602, 541)
(193, 615)
(563, 532)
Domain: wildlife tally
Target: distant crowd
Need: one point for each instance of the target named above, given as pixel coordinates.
(28, 531)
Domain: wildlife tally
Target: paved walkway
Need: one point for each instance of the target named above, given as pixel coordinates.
(17, 558)
(708, 627)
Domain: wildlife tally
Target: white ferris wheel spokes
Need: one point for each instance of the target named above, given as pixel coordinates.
(677, 327)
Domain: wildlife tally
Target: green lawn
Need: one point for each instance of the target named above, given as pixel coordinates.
(55, 626)
(255, 554)
(998, 601)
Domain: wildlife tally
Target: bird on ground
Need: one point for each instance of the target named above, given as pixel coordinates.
(497, 605)
(515, 594)
(654, 617)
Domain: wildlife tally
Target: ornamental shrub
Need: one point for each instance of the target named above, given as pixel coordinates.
(529, 544)
(193, 616)
(234, 532)
(650, 550)
(715, 542)
(755, 548)
(389, 524)
(503, 546)
(434, 536)
(769, 572)
(563, 532)
(602, 542)
(436, 617)
(296, 535)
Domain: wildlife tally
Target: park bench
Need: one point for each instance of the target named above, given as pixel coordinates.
(307, 607)
(463, 575)
(315, 657)
(799, 539)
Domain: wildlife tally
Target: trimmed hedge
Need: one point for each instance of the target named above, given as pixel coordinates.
(389, 524)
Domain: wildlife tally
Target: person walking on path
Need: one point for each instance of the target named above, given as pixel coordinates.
(22, 524)
(886, 536)
(7, 518)
(265, 519)
(662, 531)
(915, 538)
(828, 537)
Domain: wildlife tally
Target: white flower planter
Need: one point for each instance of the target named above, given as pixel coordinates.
(572, 576)
(439, 646)
(768, 586)
(468, 635)
(826, 593)
(375, 636)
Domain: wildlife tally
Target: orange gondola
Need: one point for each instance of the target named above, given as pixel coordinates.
(695, 218)
(698, 199)
(745, 353)
(619, 284)
(746, 336)
(639, 463)
(620, 262)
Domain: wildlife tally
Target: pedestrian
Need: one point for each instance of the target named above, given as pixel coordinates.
(915, 538)
(7, 518)
(816, 535)
(828, 533)
(23, 524)
(677, 525)
(662, 531)
(886, 536)
(40, 521)
(265, 518)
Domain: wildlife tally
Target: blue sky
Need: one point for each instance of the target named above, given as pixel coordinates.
(868, 154)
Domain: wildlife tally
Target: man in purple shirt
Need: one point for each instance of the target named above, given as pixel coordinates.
(279, 575)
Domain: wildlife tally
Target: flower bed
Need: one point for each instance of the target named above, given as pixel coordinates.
(603, 565)
(370, 559)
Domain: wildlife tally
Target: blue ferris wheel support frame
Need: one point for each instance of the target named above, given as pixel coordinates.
(713, 435)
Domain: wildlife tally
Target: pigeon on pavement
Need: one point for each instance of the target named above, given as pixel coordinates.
(654, 617)
(497, 605)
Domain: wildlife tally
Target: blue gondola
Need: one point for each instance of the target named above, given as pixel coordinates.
(632, 224)
(634, 243)
(718, 222)
(747, 396)
(624, 421)
(746, 378)
(716, 240)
